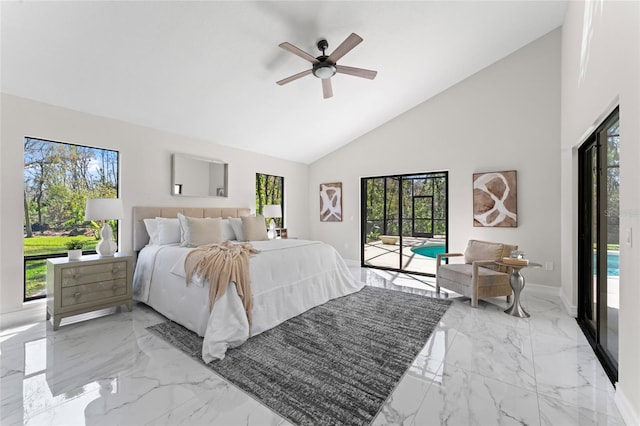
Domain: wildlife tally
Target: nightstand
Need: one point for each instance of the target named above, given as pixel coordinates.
(88, 284)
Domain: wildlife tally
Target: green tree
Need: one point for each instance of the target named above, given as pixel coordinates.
(269, 190)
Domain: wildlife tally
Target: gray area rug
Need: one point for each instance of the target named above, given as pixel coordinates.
(334, 364)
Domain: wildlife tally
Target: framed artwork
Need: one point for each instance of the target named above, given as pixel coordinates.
(331, 202)
(494, 199)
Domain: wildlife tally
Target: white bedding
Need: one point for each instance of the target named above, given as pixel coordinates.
(288, 277)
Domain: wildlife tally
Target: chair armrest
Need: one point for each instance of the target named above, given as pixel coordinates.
(483, 262)
(440, 256)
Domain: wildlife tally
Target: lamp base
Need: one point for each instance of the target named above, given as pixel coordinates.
(106, 247)
(271, 234)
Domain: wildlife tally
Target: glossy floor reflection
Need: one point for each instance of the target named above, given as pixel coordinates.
(480, 366)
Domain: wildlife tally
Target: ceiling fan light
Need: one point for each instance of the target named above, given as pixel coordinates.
(324, 71)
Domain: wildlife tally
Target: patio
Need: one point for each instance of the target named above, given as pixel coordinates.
(384, 255)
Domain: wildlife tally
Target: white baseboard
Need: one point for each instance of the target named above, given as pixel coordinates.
(570, 307)
(627, 411)
(553, 291)
(34, 312)
(541, 289)
(547, 290)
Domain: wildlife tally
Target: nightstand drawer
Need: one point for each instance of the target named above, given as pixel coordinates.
(93, 273)
(93, 292)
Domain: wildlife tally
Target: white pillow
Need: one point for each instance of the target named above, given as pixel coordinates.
(236, 224)
(254, 228)
(168, 231)
(198, 232)
(152, 230)
(227, 230)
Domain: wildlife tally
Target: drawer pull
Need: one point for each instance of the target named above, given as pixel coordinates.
(76, 276)
(76, 295)
(114, 288)
(115, 270)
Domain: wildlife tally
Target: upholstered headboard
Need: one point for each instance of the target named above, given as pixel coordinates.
(140, 236)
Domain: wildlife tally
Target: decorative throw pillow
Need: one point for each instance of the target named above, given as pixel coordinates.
(168, 230)
(152, 230)
(254, 228)
(197, 232)
(227, 230)
(236, 225)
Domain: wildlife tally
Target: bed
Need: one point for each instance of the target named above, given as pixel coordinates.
(288, 277)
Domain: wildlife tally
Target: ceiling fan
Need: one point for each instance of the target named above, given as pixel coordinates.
(325, 67)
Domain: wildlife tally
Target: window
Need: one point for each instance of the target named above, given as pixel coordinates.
(270, 190)
(404, 221)
(58, 179)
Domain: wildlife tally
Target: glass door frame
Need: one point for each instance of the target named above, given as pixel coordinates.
(594, 327)
(400, 219)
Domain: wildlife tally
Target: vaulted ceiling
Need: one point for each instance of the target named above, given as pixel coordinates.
(208, 69)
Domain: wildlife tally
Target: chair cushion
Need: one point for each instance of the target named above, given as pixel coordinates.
(461, 273)
(483, 250)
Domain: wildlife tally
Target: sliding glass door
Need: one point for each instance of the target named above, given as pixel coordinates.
(404, 221)
(599, 241)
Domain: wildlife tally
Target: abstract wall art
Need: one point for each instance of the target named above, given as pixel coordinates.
(331, 202)
(494, 199)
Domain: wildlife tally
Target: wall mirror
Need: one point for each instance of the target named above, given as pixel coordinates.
(193, 176)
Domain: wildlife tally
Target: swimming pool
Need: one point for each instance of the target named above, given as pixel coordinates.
(429, 250)
(613, 263)
(613, 257)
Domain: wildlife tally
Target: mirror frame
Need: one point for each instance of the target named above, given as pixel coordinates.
(176, 187)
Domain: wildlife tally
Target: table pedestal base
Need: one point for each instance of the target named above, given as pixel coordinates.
(517, 285)
(517, 311)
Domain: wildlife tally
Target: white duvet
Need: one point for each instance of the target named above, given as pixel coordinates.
(288, 277)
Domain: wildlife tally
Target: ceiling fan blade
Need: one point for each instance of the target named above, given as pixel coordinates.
(327, 90)
(350, 42)
(293, 77)
(358, 72)
(297, 51)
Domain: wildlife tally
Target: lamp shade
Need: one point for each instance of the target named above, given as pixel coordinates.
(104, 209)
(272, 210)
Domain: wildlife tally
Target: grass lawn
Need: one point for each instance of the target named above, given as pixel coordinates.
(36, 270)
(49, 244)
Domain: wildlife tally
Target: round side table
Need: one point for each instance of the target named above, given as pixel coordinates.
(516, 280)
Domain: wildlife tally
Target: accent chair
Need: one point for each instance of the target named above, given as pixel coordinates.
(479, 276)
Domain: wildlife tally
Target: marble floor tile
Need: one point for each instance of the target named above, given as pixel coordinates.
(569, 371)
(404, 402)
(479, 367)
(504, 354)
(465, 398)
(225, 407)
(554, 412)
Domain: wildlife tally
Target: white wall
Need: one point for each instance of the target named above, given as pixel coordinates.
(505, 117)
(601, 68)
(145, 178)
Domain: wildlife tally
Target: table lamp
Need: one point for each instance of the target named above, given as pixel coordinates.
(272, 211)
(104, 209)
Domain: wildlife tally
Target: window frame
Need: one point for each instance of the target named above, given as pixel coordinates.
(40, 257)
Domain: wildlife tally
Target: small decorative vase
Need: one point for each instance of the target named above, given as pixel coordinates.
(74, 254)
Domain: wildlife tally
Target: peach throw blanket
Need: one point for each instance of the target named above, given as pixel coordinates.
(219, 264)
